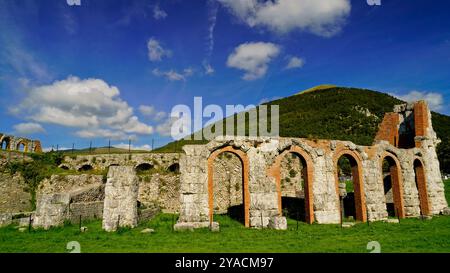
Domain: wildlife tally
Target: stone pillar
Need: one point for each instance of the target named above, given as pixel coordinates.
(326, 201)
(374, 190)
(121, 193)
(410, 191)
(194, 210)
(263, 192)
(51, 210)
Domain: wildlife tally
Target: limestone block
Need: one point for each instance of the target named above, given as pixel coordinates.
(278, 222)
(5, 219)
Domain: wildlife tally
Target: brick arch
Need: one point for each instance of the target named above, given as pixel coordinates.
(358, 185)
(25, 146)
(397, 182)
(421, 184)
(275, 171)
(245, 177)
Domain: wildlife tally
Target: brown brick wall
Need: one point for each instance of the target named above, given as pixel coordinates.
(420, 119)
(388, 129)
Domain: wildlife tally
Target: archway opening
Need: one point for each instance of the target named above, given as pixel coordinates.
(143, 168)
(346, 187)
(350, 188)
(228, 186)
(5, 143)
(85, 168)
(293, 177)
(421, 187)
(174, 168)
(21, 147)
(391, 185)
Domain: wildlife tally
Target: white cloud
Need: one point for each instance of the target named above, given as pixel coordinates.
(173, 75)
(155, 50)
(321, 17)
(295, 62)
(435, 100)
(253, 58)
(151, 112)
(90, 105)
(28, 128)
(144, 147)
(158, 13)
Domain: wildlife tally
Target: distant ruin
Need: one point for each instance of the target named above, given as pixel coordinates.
(20, 144)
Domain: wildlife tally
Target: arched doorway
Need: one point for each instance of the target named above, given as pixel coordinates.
(230, 195)
(421, 186)
(293, 171)
(5, 143)
(392, 185)
(174, 168)
(143, 168)
(21, 147)
(349, 186)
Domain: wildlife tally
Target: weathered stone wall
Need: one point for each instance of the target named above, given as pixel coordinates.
(14, 196)
(162, 190)
(161, 161)
(85, 210)
(121, 193)
(68, 183)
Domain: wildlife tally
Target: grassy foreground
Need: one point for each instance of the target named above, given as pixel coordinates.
(411, 235)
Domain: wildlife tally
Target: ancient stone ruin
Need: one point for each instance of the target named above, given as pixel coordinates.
(12, 143)
(255, 180)
(397, 176)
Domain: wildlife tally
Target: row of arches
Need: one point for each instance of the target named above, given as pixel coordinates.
(142, 167)
(352, 204)
(6, 144)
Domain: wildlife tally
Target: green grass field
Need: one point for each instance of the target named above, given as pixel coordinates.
(411, 235)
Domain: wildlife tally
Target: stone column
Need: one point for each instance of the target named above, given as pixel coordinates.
(121, 193)
(194, 210)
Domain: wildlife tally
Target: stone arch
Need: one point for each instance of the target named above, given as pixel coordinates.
(358, 185)
(24, 144)
(144, 166)
(396, 181)
(85, 168)
(421, 185)
(5, 143)
(308, 173)
(245, 177)
(175, 168)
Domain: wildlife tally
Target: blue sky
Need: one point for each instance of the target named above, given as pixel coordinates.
(113, 69)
